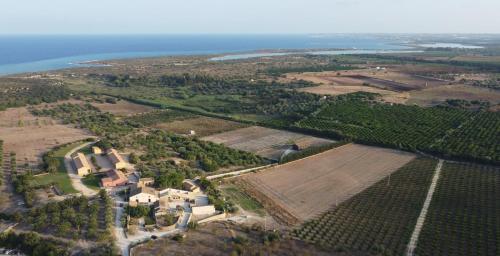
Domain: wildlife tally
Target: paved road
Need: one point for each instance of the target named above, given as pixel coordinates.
(76, 180)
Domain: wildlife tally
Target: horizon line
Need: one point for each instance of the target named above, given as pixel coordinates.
(248, 34)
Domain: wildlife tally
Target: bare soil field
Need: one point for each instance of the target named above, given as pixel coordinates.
(308, 187)
(434, 96)
(389, 79)
(218, 238)
(203, 126)
(30, 136)
(122, 108)
(388, 96)
(385, 84)
(269, 143)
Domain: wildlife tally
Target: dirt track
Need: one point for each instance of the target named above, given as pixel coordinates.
(310, 186)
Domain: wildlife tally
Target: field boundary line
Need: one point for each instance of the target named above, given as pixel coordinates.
(423, 213)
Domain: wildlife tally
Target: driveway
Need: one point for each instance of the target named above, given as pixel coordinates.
(76, 180)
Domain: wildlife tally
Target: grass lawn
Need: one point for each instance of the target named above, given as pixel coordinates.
(86, 150)
(243, 200)
(60, 178)
(92, 182)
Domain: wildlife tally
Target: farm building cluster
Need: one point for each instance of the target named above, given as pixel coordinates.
(114, 164)
(188, 204)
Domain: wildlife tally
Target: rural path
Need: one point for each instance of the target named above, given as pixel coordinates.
(76, 180)
(423, 213)
(236, 173)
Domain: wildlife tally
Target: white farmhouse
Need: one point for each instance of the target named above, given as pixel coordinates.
(203, 210)
(143, 195)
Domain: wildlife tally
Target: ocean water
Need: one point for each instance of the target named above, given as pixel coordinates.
(19, 54)
(450, 45)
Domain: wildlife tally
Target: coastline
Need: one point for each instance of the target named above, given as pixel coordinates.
(100, 60)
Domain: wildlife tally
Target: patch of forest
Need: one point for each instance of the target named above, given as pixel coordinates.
(21, 92)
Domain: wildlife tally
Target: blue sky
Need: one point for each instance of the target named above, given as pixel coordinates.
(248, 16)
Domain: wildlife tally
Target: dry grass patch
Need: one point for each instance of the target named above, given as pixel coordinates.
(224, 238)
(122, 108)
(437, 95)
(30, 136)
(203, 126)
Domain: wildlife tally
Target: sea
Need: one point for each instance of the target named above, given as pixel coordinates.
(35, 53)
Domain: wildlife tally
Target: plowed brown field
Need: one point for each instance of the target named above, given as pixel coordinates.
(308, 187)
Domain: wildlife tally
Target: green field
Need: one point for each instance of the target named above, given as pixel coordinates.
(60, 178)
(86, 150)
(243, 200)
(438, 130)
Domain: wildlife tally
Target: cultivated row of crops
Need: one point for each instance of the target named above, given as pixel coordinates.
(480, 138)
(443, 130)
(464, 215)
(379, 219)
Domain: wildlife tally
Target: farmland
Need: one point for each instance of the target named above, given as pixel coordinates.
(308, 187)
(378, 220)
(464, 216)
(437, 95)
(30, 136)
(416, 89)
(202, 126)
(268, 143)
(388, 96)
(411, 127)
(122, 108)
(390, 79)
(157, 117)
(478, 137)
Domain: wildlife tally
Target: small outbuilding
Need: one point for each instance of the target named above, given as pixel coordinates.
(96, 150)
